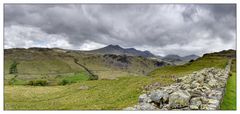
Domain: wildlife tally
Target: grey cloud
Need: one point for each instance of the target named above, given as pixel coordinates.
(132, 25)
(221, 10)
(189, 12)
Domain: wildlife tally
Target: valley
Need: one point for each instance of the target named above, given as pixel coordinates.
(69, 85)
(53, 64)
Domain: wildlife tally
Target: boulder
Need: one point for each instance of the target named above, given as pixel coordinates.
(187, 80)
(83, 87)
(166, 107)
(146, 106)
(207, 107)
(213, 101)
(159, 96)
(205, 88)
(212, 107)
(179, 99)
(196, 92)
(204, 100)
(200, 78)
(195, 103)
(215, 94)
(180, 79)
(195, 84)
(169, 90)
(185, 86)
(213, 83)
(209, 77)
(144, 98)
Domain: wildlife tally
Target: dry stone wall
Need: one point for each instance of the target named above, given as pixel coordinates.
(201, 90)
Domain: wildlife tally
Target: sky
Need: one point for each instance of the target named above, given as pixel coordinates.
(162, 29)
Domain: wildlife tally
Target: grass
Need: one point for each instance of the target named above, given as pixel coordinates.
(102, 94)
(204, 62)
(77, 77)
(33, 64)
(82, 76)
(52, 80)
(19, 82)
(229, 100)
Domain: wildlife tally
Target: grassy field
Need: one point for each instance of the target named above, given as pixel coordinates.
(204, 62)
(102, 94)
(229, 100)
(53, 80)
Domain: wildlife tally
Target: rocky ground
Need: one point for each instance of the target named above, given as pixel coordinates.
(201, 90)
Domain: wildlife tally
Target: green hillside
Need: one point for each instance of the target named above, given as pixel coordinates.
(50, 64)
(43, 61)
(180, 70)
(100, 94)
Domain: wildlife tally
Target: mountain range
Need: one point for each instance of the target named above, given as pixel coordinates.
(109, 62)
(174, 58)
(117, 50)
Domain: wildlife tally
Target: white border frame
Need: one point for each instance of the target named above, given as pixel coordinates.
(119, 1)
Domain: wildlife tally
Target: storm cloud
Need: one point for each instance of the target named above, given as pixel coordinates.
(181, 29)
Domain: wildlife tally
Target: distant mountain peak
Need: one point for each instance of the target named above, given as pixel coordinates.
(118, 50)
(113, 46)
(131, 49)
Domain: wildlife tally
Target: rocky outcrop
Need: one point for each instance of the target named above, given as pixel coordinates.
(201, 90)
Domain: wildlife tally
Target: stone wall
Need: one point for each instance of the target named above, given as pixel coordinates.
(201, 90)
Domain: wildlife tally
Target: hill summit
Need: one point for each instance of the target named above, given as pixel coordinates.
(117, 50)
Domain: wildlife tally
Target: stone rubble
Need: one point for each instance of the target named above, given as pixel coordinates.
(201, 90)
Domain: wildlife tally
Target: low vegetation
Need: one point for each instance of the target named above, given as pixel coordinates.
(13, 68)
(36, 62)
(180, 70)
(64, 80)
(101, 94)
(229, 100)
(41, 82)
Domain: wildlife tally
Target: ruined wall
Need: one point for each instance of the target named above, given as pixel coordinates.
(201, 90)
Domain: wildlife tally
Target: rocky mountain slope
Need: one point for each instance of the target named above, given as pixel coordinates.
(49, 63)
(117, 50)
(176, 59)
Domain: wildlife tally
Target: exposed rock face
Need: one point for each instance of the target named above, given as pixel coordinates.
(159, 96)
(201, 90)
(144, 99)
(195, 103)
(179, 99)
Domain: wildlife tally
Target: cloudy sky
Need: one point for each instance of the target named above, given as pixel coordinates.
(181, 29)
